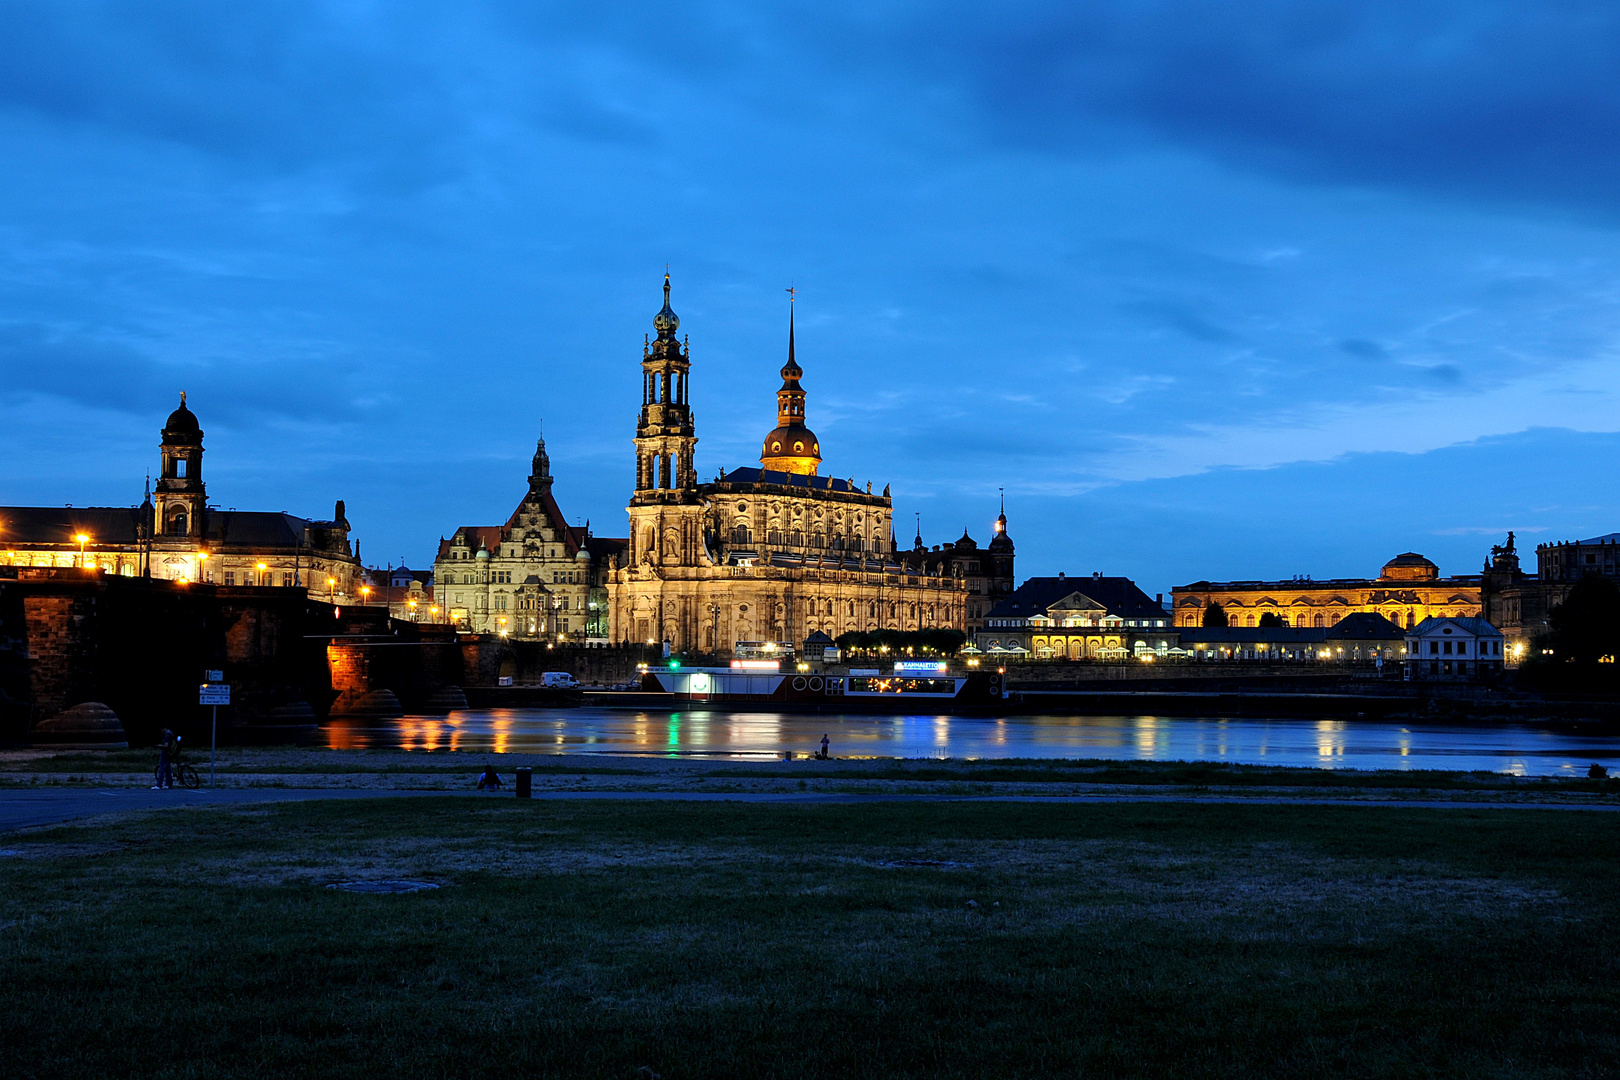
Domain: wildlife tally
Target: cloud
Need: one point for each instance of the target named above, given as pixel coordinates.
(1497, 100)
(75, 369)
(1363, 349)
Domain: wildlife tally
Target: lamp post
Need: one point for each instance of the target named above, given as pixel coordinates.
(365, 594)
(202, 557)
(263, 580)
(331, 583)
(82, 540)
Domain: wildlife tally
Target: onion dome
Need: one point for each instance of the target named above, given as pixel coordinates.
(666, 322)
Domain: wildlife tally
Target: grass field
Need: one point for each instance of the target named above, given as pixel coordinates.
(728, 940)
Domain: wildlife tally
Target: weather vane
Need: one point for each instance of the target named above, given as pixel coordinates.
(793, 294)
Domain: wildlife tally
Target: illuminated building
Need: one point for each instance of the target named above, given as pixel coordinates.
(1064, 618)
(177, 534)
(1454, 649)
(773, 553)
(528, 578)
(1408, 590)
(1361, 638)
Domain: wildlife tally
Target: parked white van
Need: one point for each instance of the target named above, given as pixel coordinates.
(560, 680)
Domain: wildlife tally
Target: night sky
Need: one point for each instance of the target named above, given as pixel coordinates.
(1213, 290)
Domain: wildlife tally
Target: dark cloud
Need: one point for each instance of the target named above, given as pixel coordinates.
(1182, 317)
(101, 375)
(1505, 101)
(1364, 349)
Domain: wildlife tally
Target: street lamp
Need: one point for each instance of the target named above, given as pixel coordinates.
(365, 594)
(82, 540)
(202, 557)
(412, 605)
(331, 583)
(262, 569)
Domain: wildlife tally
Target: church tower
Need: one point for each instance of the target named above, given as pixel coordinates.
(665, 441)
(181, 496)
(666, 514)
(791, 447)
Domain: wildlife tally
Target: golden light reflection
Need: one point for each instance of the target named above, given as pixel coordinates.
(1330, 738)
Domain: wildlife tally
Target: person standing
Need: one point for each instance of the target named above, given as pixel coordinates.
(165, 779)
(824, 744)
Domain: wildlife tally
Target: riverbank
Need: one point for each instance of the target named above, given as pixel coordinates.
(397, 770)
(669, 940)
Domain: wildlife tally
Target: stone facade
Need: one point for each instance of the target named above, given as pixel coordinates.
(1407, 591)
(761, 554)
(528, 578)
(176, 535)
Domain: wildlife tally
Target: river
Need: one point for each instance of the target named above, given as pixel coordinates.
(1519, 749)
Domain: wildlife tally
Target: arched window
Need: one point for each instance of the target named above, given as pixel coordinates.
(740, 535)
(178, 521)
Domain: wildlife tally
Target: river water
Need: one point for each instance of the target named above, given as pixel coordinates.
(1522, 750)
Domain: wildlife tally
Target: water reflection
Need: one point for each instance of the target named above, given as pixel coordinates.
(1520, 750)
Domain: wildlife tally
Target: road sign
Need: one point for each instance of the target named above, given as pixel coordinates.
(214, 694)
(214, 676)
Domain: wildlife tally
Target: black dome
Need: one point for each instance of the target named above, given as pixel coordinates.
(182, 421)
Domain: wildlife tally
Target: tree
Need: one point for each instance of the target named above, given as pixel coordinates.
(1586, 626)
(1271, 618)
(1215, 615)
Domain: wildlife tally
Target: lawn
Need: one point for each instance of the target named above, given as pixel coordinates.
(622, 939)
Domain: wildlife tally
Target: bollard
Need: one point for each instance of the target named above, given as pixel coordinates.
(524, 779)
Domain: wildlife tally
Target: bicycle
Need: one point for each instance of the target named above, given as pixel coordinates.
(180, 772)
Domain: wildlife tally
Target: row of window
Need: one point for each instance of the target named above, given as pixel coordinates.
(504, 577)
(743, 536)
(502, 602)
(1486, 648)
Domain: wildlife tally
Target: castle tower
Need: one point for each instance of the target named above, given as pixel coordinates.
(998, 563)
(665, 438)
(791, 447)
(181, 496)
(540, 471)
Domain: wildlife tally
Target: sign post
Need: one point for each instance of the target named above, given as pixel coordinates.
(214, 694)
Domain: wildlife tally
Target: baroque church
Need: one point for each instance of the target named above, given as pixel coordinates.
(778, 552)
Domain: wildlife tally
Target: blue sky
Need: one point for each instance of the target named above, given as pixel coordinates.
(1213, 291)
